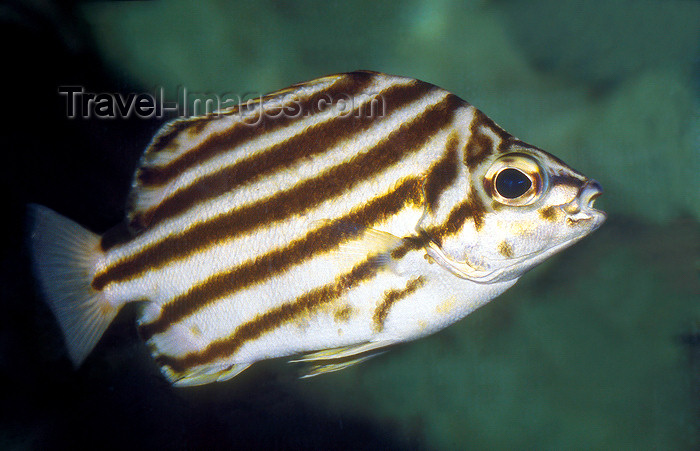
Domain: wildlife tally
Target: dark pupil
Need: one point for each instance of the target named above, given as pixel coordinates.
(512, 183)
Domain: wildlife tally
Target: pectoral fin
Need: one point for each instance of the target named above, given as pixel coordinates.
(370, 242)
(343, 352)
(208, 374)
(324, 368)
(336, 359)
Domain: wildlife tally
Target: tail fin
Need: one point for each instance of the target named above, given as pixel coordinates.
(64, 256)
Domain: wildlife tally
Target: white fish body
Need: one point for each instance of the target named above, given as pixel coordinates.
(332, 218)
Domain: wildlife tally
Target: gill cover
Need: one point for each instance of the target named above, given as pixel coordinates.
(514, 180)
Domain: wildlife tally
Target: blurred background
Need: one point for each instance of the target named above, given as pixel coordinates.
(597, 348)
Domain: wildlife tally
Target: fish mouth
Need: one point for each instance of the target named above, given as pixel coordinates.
(581, 208)
(589, 192)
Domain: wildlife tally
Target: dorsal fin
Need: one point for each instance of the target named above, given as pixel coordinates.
(185, 143)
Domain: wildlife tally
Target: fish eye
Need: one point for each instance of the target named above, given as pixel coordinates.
(512, 183)
(515, 179)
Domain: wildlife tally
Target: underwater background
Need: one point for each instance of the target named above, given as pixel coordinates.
(599, 348)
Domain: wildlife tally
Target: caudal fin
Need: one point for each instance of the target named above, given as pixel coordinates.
(64, 256)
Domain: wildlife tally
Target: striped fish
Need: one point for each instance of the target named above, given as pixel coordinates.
(325, 221)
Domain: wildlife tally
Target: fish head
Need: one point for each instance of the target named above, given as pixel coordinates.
(522, 206)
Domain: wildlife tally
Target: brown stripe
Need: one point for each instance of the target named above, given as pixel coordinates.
(275, 118)
(275, 318)
(313, 141)
(505, 137)
(165, 138)
(471, 207)
(296, 200)
(442, 175)
(268, 265)
(409, 244)
(566, 180)
(514, 142)
(480, 145)
(390, 298)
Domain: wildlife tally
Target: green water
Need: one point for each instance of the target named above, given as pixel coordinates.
(599, 348)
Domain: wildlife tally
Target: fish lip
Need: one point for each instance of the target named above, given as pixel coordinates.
(589, 192)
(587, 195)
(580, 210)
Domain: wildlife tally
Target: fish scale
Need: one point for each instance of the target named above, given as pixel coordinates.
(330, 220)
